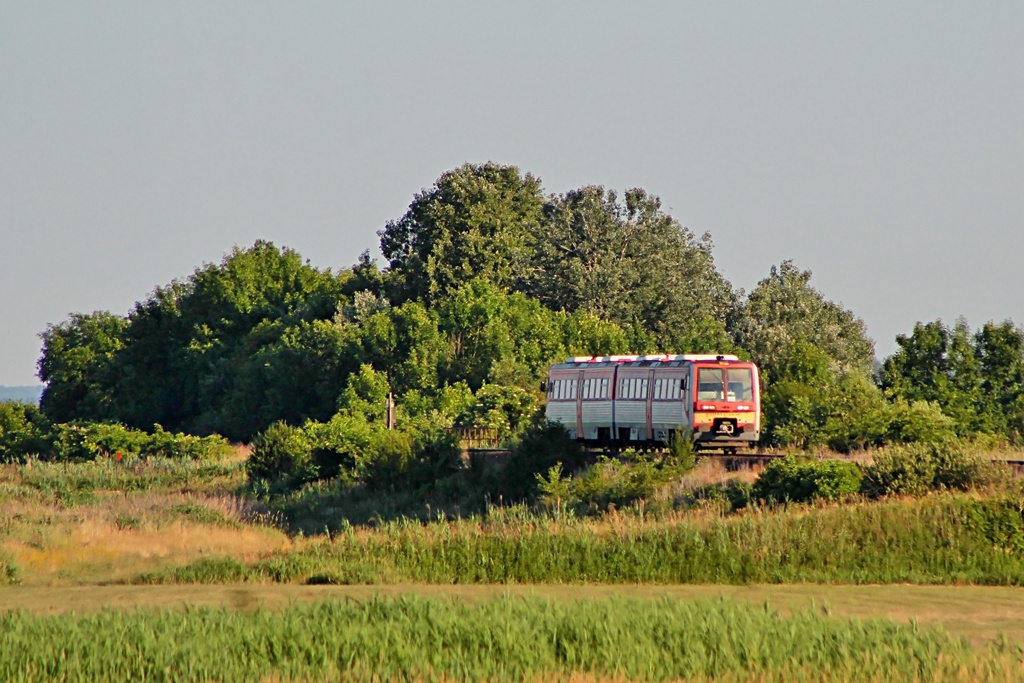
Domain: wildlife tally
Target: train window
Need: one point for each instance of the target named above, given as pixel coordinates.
(741, 384)
(633, 388)
(666, 389)
(710, 384)
(604, 387)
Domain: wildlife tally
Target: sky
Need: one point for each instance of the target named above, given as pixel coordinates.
(879, 144)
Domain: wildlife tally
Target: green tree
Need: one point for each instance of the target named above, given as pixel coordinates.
(406, 343)
(498, 337)
(230, 349)
(999, 349)
(976, 379)
(783, 308)
(477, 221)
(78, 366)
(631, 263)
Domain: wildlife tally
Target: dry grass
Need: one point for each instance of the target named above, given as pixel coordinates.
(95, 551)
(94, 536)
(711, 472)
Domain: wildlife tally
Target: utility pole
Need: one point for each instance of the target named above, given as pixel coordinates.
(391, 410)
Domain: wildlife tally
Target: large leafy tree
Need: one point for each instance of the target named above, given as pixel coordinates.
(227, 349)
(631, 263)
(784, 310)
(499, 337)
(477, 221)
(977, 379)
(77, 365)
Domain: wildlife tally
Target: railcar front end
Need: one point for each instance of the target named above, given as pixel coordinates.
(726, 404)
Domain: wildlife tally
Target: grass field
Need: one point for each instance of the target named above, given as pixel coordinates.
(978, 613)
(76, 538)
(491, 638)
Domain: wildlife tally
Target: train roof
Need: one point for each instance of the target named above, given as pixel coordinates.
(664, 359)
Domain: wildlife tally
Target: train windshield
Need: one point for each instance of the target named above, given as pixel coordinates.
(721, 384)
(741, 384)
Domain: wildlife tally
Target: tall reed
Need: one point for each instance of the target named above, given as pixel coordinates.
(940, 539)
(415, 638)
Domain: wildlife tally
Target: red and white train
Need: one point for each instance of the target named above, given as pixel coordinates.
(645, 401)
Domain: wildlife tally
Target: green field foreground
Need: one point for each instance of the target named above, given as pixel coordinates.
(978, 613)
(505, 637)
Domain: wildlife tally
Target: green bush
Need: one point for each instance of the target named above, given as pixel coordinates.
(848, 413)
(184, 446)
(24, 431)
(542, 446)
(357, 450)
(919, 422)
(611, 482)
(78, 442)
(339, 444)
(505, 408)
(739, 493)
(398, 460)
(797, 481)
(915, 469)
(281, 452)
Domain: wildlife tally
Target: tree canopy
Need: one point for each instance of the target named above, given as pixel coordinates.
(977, 379)
(784, 310)
(477, 221)
(487, 282)
(630, 262)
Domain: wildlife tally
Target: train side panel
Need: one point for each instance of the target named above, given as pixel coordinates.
(595, 401)
(562, 390)
(668, 403)
(632, 390)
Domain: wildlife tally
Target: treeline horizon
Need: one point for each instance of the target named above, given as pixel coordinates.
(486, 282)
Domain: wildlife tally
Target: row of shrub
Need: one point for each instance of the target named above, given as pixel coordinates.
(911, 469)
(285, 457)
(26, 433)
(418, 474)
